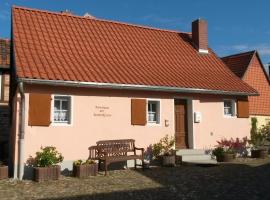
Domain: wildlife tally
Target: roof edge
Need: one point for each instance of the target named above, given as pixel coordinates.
(133, 87)
(102, 20)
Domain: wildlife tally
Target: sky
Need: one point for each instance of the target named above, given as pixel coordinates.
(233, 26)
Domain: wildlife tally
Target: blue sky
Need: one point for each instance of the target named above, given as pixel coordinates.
(234, 26)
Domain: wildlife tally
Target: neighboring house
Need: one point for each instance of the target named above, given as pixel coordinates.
(249, 68)
(80, 80)
(4, 97)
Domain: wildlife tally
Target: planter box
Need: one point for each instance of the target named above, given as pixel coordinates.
(259, 153)
(227, 157)
(83, 171)
(168, 161)
(47, 173)
(3, 172)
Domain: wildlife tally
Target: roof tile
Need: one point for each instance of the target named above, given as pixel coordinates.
(63, 47)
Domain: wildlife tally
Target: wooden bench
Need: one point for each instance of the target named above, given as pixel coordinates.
(110, 151)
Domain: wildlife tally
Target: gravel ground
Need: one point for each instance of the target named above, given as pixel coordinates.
(242, 179)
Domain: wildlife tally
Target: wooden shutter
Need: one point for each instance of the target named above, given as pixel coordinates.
(39, 109)
(138, 112)
(242, 109)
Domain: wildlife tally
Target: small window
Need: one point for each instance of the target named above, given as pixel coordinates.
(229, 108)
(153, 112)
(62, 109)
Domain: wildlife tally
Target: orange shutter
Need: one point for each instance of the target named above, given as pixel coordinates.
(39, 109)
(242, 109)
(138, 112)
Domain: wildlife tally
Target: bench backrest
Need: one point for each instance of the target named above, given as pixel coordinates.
(117, 147)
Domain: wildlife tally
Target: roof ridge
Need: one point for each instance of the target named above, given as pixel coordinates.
(240, 54)
(102, 20)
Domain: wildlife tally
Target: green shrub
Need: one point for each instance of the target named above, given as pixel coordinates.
(48, 156)
(87, 162)
(218, 152)
(164, 146)
(259, 138)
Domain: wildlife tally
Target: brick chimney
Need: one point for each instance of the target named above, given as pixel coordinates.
(200, 35)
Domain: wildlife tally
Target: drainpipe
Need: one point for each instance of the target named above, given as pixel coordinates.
(21, 132)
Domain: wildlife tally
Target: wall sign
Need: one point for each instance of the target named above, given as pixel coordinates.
(102, 111)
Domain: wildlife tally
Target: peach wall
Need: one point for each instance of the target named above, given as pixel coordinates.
(73, 140)
(214, 125)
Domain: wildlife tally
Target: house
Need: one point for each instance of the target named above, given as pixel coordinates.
(81, 79)
(4, 97)
(249, 68)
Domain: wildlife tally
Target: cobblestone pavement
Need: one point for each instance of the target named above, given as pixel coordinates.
(250, 180)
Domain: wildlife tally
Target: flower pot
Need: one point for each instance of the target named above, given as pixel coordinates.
(83, 171)
(226, 157)
(259, 153)
(47, 173)
(168, 161)
(3, 172)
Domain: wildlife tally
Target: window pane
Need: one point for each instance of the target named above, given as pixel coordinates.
(65, 105)
(153, 111)
(228, 108)
(56, 105)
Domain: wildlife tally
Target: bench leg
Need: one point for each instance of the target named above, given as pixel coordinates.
(106, 167)
(135, 163)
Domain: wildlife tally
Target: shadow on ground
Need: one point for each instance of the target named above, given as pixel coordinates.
(230, 181)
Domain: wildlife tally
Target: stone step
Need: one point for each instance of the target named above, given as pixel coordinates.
(196, 157)
(201, 162)
(181, 152)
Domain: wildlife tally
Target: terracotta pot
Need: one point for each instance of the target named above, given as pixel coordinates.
(83, 171)
(259, 153)
(47, 173)
(3, 172)
(168, 160)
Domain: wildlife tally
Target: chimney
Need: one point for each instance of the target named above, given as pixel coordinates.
(200, 35)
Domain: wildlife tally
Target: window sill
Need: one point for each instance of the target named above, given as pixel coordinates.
(61, 124)
(229, 116)
(153, 124)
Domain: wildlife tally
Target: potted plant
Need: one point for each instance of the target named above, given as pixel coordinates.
(85, 169)
(45, 164)
(164, 151)
(219, 153)
(3, 171)
(259, 138)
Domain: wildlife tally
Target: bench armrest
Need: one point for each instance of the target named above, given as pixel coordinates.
(139, 149)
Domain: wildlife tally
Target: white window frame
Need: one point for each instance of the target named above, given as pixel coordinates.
(158, 122)
(234, 109)
(70, 122)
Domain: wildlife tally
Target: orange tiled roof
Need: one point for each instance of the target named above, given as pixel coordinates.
(54, 46)
(4, 53)
(239, 63)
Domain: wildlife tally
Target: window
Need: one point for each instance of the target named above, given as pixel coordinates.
(153, 114)
(62, 109)
(229, 108)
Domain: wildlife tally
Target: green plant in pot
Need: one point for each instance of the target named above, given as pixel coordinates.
(259, 139)
(164, 149)
(45, 164)
(83, 169)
